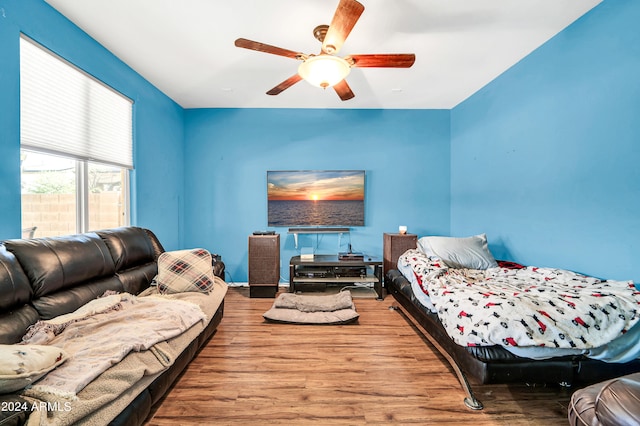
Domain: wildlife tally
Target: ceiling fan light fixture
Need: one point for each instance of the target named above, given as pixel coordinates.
(324, 70)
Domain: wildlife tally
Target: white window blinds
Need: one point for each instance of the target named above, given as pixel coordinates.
(65, 111)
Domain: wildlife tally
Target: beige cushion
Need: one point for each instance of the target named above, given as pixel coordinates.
(21, 365)
(307, 309)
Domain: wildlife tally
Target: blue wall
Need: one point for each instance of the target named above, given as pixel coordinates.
(545, 159)
(158, 179)
(228, 151)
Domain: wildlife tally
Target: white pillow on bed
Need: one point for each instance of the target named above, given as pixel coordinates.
(469, 252)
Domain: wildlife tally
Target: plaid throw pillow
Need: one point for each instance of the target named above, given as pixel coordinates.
(185, 270)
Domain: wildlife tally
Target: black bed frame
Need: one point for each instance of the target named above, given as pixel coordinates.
(494, 364)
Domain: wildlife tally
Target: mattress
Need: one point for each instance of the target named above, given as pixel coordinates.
(483, 306)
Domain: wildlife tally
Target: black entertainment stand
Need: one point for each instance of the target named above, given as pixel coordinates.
(327, 269)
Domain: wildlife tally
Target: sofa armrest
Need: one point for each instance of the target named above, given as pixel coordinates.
(218, 265)
(15, 410)
(612, 402)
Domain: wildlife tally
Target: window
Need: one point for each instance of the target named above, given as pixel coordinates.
(53, 190)
(76, 147)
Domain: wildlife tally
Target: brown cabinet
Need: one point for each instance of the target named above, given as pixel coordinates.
(264, 265)
(394, 245)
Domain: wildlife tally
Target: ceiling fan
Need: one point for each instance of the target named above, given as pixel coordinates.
(326, 69)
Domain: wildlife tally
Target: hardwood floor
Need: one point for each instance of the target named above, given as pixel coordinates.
(377, 371)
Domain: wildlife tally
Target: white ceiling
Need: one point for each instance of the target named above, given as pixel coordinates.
(186, 47)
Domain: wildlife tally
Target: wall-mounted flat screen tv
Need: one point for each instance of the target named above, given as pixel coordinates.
(315, 198)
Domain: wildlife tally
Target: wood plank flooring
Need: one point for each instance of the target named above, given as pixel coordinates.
(377, 371)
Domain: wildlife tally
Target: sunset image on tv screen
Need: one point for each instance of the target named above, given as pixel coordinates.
(315, 198)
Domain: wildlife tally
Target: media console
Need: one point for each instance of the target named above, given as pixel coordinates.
(329, 269)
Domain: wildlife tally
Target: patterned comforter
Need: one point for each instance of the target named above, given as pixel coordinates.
(525, 306)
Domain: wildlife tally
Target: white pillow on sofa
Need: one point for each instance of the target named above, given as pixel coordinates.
(469, 252)
(21, 365)
(185, 270)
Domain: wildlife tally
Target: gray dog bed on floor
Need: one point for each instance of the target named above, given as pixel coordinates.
(306, 309)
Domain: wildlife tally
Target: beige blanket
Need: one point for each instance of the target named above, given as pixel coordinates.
(100, 340)
(106, 396)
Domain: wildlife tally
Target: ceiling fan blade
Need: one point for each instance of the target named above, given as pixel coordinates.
(343, 90)
(393, 60)
(285, 85)
(346, 16)
(266, 48)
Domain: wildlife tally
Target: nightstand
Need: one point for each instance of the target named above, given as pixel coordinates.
(394, 245)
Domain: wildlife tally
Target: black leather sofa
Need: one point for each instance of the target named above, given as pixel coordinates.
(608, 403)
(45, 277)
(494, 364)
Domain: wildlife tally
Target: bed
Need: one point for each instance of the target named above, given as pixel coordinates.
(500, 322)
